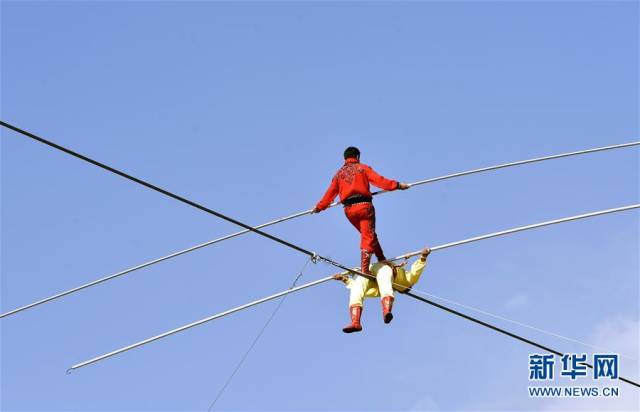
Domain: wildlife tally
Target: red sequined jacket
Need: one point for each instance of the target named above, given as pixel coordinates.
(353, 178)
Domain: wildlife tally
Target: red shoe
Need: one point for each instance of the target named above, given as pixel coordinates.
(355, 326)
(365, 261)
(387, 305)
(377, 250)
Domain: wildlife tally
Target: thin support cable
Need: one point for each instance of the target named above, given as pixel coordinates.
(515, 322)
(504, 332)
(257, 338)
(263, 225)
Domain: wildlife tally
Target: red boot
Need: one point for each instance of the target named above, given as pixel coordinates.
(365, 261)
(355, 326)
(387, 305)
(377, 250)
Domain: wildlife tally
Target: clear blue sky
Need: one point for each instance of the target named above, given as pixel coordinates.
(246, 107)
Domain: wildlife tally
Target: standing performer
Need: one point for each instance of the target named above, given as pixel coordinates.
(387, 276)
(352, 183)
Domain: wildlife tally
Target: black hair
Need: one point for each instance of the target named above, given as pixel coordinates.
(351, 152)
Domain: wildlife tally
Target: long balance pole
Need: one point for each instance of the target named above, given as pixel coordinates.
(290, 217)
(323, 280)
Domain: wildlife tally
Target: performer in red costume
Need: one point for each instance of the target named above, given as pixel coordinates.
(352, 183)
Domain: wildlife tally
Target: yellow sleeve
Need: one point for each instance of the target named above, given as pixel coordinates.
(416, 270)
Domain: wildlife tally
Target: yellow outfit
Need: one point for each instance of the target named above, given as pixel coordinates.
(385, 282)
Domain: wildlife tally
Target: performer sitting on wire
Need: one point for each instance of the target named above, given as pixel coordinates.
(388, 276)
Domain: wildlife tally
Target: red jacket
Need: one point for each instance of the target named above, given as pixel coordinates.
(353, 178)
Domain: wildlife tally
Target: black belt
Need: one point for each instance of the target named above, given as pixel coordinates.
(352, 200)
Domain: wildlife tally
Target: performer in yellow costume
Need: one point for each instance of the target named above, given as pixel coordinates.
(388, 276)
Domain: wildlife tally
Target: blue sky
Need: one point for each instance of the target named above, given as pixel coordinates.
(246, 107)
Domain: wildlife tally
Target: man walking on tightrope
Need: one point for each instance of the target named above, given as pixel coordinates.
(352, 183)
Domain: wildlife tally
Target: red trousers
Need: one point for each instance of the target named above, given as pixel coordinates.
(363, 217)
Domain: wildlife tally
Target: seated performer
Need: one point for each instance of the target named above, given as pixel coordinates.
(388, 277)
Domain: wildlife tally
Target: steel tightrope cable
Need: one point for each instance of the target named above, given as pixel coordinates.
(153, 187)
